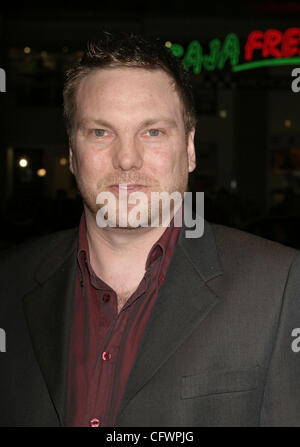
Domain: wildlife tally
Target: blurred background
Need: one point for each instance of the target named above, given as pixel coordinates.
(248, 131)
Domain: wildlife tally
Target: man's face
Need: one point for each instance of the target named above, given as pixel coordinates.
(129, 129)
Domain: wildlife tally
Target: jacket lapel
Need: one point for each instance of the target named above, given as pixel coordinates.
(183, 302)
(48, 311)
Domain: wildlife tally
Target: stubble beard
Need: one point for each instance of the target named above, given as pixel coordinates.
(89, 197)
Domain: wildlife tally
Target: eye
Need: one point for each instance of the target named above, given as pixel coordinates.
(99, 132)
(154, 132)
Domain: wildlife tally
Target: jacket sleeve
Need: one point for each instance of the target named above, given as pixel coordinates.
(281, 398)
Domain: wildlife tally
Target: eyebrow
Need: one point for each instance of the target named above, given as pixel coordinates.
(149, 122)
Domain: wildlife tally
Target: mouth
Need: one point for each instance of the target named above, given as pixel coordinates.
(124, 187)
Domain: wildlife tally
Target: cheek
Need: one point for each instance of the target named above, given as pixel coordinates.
(90, 162)
(161, 161)
(174, 163)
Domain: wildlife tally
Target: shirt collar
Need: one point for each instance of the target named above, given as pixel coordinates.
(158, 249)
(161, 246)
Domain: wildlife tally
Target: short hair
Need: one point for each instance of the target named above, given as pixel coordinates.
(128, 50)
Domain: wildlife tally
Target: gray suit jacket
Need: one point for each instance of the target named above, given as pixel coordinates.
(217, 350)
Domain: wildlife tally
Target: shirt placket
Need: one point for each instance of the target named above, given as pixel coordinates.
(102, 377)
(102, 389)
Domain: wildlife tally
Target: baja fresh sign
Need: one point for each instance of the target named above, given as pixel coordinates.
(263, 48)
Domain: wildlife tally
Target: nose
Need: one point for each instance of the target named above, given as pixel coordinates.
(128, 154)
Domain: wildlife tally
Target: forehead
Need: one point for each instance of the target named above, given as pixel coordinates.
(127, 92)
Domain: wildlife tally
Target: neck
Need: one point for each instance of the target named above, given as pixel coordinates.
(124, 250)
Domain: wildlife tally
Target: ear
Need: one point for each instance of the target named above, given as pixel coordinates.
(191, 151)
(71, 158)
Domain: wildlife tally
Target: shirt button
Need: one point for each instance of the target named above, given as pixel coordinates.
(95, 422)
(106, 355)
(161, 279)
(106, 297)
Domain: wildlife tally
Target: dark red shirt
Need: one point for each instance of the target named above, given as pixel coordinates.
(104, 343)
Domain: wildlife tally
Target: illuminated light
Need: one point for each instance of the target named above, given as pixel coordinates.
(290, 41)
(276, 48)
(269, 41)
(267, 63)
(63, 161)
(233, 184)
(254, 42)
(27, 50)
(176, 49)
(23, 162)
(193, 57)
(230, 50)
(41, 172)
(210, 61)
(223, 114)
(272, 38)
(287, 123)
(216, 58)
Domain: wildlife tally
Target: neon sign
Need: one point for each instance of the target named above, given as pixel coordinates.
(275, 48)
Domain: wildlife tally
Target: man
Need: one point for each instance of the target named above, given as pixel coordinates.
(139, 325)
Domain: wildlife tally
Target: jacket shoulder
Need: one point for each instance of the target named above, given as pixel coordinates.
(244, 248)
(25, 258)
